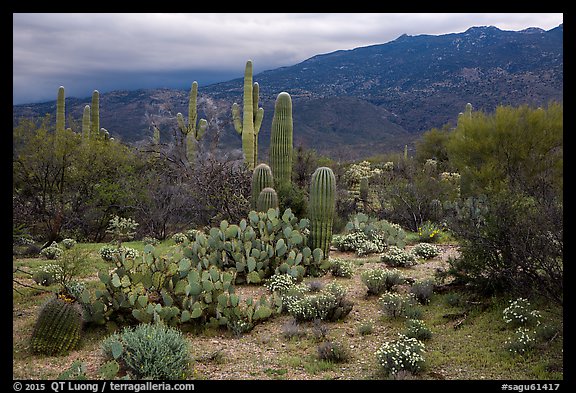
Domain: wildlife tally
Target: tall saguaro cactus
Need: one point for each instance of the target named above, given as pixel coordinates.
(281, 141)
(192, 131)
(86, 123)
(322, 207)
(60, 110)
(249, 125)
(261, 178)
(95, 114)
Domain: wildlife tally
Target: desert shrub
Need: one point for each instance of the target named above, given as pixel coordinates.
(519, 314)
(292, 329)
(397, 257)
(107, 253)
(333, 352)
(48, 274)
(425, 250)
(381, 280)
(405, 353)
(428, 232)
(416, 328)
(149, 351)
(423, 290)
(521, 342)
(68, 243)
(150, 240)
(396, 305)
(330, 304)
(341, 268)
(52, 252)
(279, 282)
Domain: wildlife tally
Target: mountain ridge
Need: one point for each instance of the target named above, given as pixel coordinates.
(380, 95)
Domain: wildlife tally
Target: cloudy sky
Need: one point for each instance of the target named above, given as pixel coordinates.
(84, 52)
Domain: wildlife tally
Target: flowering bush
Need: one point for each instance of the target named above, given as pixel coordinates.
(360, 242)
(52, 251)
(425, 250)
(395, 305)
(48, 274)
(397, 257)
(405, 353)
(521, 342)
(279, 282)
(108, 253)
(330, 304)
(341, 268)
(150, 240)
(416, 328)
(428, 232)
(366, 235)
(518, 314)
(381, 280)
(68, 243)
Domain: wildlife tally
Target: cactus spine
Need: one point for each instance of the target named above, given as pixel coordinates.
(57, 329)
(322, 206)
(95, 114)
(281, 141)
(252, 116)
(268, 199)
(86, 122)
(192, 131)
(60, 110)
(261, 179)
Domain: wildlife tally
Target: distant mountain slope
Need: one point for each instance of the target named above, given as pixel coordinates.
(360, 102)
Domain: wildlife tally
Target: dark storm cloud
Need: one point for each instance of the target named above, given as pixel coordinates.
(84, 52)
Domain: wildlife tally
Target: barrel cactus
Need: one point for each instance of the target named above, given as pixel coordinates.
(58, 327)
(322, 206)
(281, 141)
(249, 125)
(268, 199)
(261, 178)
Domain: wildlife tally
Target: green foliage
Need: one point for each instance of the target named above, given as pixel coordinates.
(341, 267)
(509, 220)
(396, 305)
(149, 351)
(58, 326)
(416, 328)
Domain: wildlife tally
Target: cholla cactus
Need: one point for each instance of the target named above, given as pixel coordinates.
(252, 116)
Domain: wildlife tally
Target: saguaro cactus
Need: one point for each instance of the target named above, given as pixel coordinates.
(261, 178)
(95, 114)
(252, 116)
(321, 207)
(60, 110)
(86, 122)
(192, 131)
(281, 141)
(268, 199)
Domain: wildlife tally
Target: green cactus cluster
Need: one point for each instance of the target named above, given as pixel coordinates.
(322, 207)
(58, 327)
(248, 124)
(195, 128)
(261, 178)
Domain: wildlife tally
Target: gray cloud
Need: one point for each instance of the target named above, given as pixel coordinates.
(84, 52)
